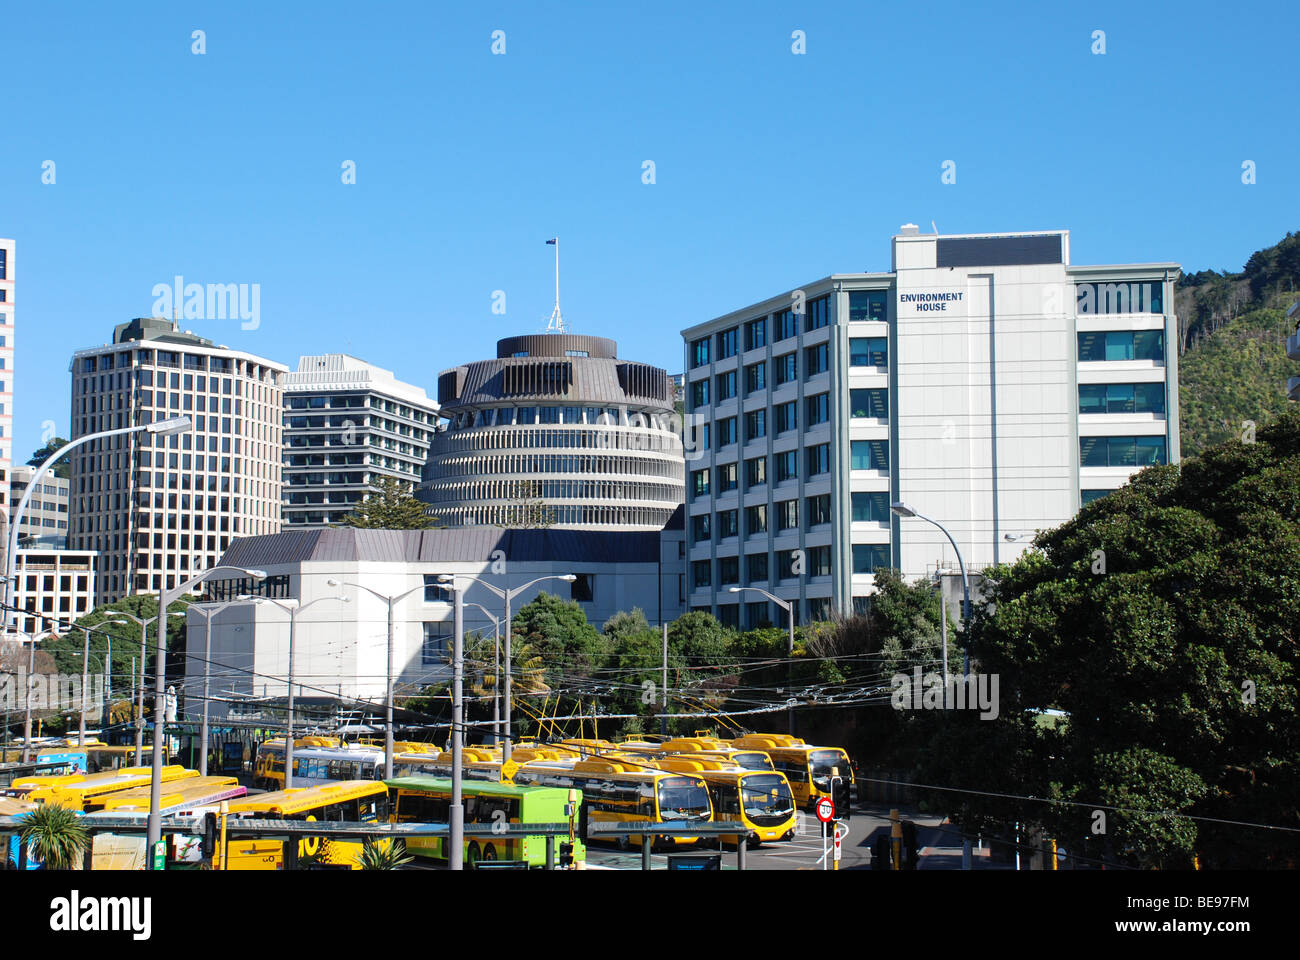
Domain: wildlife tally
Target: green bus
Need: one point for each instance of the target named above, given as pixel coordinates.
(428, 799)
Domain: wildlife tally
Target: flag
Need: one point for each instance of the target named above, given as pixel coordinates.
(549, 242)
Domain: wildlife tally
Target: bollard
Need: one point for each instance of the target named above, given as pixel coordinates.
(741, 844)
(646, 844)
(550, 853)
(895, 841)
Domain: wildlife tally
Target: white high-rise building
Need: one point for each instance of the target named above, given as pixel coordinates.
(984, 381)
(160, 509)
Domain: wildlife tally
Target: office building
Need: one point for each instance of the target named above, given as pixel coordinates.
(557, 430)
(45, 522)
(53, 589)
(984, 380)
(347, 425)
(160, 509)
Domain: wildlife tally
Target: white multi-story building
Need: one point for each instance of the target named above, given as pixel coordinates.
(6, 365)
(347, 425)
(52, 589)
(45, 521)
(159, 509)
(984, 381)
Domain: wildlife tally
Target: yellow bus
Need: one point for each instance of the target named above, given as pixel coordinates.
(810, 769)
(763, 802)
(81, 790)
(361, 800)
(615, 792)
(706, 748)
(188, 793)
(100, 757)
(316, 760)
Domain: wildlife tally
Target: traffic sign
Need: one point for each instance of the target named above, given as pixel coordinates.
(508, 769)
(837, 841)
(825, 810)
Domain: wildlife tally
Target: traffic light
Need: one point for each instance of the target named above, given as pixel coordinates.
(209, 847)
(566, 854)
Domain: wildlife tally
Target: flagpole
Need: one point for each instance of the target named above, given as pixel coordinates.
(556, 323)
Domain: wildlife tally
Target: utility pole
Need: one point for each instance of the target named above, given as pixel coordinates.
(663, 717)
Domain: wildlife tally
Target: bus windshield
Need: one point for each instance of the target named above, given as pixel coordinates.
(753, 760)
(683, 798)
(766, 796)
(822, 763)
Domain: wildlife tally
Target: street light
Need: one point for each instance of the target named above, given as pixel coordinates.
(207, 611)
(456, 810)
(85, 669)
(388, 686)
(788, 607)
(507, 596)
(293, 624)
(164, 428)
(139, 690)
(496, 666)
(165, 598)
(903, 510)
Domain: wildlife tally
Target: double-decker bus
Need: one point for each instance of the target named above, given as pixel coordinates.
(80, 790)
(616, 792)
(315, 764)
(428, 799)
(811, 770)
(358, 801)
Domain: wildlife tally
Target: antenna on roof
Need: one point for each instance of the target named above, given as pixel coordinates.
(556, 323)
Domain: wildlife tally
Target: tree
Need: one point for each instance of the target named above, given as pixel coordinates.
(527, 509)
(61, 468)
(1161, 622)
(391, 508)
(56, 835)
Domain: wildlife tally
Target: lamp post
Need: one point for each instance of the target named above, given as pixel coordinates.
(901, 509)
(507, 596)
(207, 611)
(496, 666)
(456, 812)
(138, 683)
(392, 602)
(164, 428)
(293, 623)
(788, 607)
(85, 670)
(165, 598)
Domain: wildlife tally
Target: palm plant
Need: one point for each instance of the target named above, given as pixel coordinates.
(383, 856)
(56, 835)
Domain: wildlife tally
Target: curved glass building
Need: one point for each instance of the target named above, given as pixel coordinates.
(556, 431)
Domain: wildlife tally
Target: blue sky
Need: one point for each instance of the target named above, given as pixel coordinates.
(771, 168)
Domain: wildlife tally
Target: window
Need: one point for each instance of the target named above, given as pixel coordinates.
(818, 408)
(868, 305)
(728, 570)
(785, 565)
(787, 515)
(4, 264)
(872, 404)
(726, 431)
(819, 314)
(1122, 398)
(756, 334)
(582, 590)
(755, 424)
(786, 325)
(870, 455)
(701, 573)
(432, 651)
(787, 466)
(1142, 297)
(756, 567)
(868, 558)
(726, 343)
(755, 472)
(787, 417)
(755, 377)
(700, 528)
(1087, 496)
(756, 520)
(432, 592)
(1096, 346)
(870, 507)
(699, 352)
(725, 385)
(819, 561)
(728, 524)
(1121, 451)
(815, 360)
(786, 368)
(868, 352)
(699, 394)
(726, 478)
(818, 509)
(700, 482)
(819, 459)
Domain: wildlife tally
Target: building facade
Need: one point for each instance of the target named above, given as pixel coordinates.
(159, 509)
(341, 648)
(557, 430)
(1293, 352)
(7, 307)
(347, 425)
(45, 522)
(53, 589)
(984, 381)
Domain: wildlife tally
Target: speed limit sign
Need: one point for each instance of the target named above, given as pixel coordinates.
(825, 810)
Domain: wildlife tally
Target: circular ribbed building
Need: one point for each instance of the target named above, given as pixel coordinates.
(556, 431)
